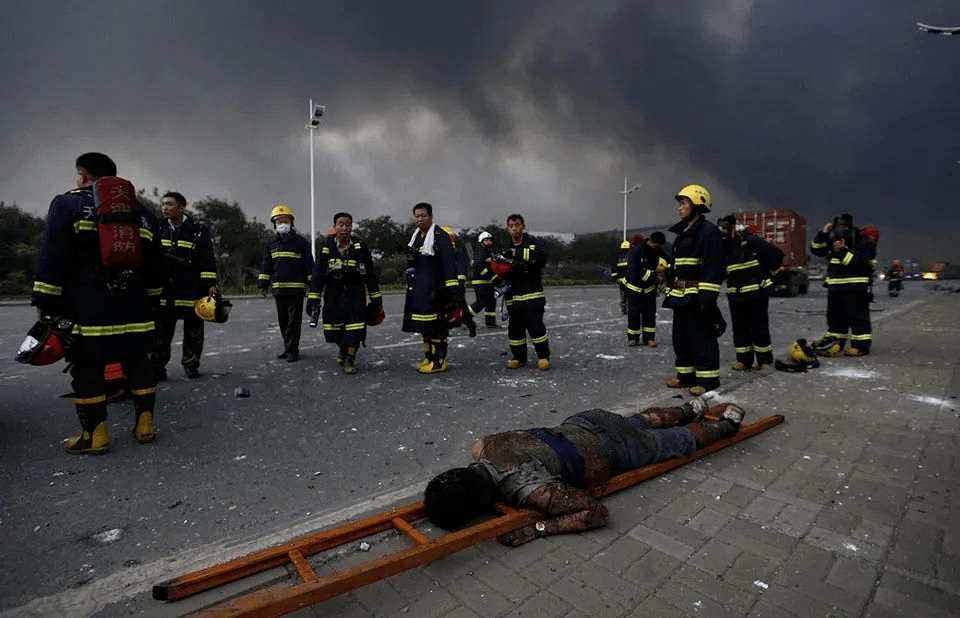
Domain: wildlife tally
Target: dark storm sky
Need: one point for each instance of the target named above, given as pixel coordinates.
(489, 108)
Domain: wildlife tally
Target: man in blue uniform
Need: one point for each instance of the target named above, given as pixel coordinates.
(111, 311)
(525, 299)
(483, 281)
(851, 255)
(751, 261)
(553, 469)
(192, 270)
(343, 277)
(285, 269)
(698, 269)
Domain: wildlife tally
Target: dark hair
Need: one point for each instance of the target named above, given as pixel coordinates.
(96, 164)
(425, 206)
(658, 238)
(175, 195)
(456, 496)
(516, 217)
(342, 214)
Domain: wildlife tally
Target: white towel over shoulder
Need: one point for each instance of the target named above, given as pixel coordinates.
(427, 242)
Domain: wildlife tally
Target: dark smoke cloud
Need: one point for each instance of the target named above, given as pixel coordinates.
(488, 107)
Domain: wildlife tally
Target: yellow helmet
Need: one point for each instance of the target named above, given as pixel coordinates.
(205, 308)
(800, 351)
(625, 244)
(696, 194)
(662, 265)
(212, 308)
(279, 210)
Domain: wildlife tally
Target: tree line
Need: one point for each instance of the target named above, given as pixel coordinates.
(239, 241)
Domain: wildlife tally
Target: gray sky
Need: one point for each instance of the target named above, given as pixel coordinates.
(485, 108)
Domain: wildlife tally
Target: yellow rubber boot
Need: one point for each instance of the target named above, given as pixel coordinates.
(89, 443)
(143, 430)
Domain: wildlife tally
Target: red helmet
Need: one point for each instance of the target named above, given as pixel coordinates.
(451, 313)
(872, 233)
(500, 268)
(375, 314)
(46, 342)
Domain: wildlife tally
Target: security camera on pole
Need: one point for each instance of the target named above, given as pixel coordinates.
(316, 113)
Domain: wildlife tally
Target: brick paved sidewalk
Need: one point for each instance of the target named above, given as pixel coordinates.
(846, 510)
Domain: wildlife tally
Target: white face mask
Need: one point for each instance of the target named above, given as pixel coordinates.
(283, 228)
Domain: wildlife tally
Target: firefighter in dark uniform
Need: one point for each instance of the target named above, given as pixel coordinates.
(619, 270)
(112, 313)
(649, 255)
(698, 268)
(851, 256)
(640, 281)
(192, 270)
(751, 261)
(462, 260)
(343, 277)
(432, 287)
(484, 280)
(285, 269)
(525, 299)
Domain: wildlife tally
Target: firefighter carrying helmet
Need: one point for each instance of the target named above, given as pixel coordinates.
(696, 194)
(46, 342)
(212, 308)
(280, 210)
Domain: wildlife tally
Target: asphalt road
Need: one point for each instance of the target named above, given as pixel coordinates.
(308, 443)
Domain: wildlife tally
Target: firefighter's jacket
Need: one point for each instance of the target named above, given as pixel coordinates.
(431, 282)
(620, 268)
(343, 281)
(112, 314)
(698, 265)
(191, 266)
(850, 268)
(641, 275)
(482, 275)
(526, 276)
(751, 264)
(286, 265)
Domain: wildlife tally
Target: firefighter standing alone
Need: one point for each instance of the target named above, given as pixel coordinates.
(285, 269)
(850, 254)
(698, 268)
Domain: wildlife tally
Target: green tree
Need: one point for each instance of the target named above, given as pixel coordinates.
(238, 243)
(22, 234)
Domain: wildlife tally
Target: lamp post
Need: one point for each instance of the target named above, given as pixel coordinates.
(626, 192)
(316, 113)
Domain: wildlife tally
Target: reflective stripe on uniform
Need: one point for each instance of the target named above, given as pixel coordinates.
(109, 330)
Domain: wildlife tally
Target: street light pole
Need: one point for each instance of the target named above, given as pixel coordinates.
(626, 192)
(316, 112)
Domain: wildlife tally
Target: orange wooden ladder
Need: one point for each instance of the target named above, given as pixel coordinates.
(283, 598)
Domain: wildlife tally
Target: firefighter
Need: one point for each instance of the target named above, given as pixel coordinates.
(850, 256)
(462, 260)
(111, 312)
(525, 299)
(619, 271)
(639, 283)
(192, 268)
(647, 263)
(750, 264)
(698, 267)
(343, 277)
(484, 281)
(285, 270)
(432, 289)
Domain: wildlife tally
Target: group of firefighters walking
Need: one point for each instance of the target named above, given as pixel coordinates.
(96, 309)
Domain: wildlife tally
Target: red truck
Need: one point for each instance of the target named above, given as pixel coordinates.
(787, 230)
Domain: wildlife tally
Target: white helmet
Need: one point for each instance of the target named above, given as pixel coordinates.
(484, 235)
